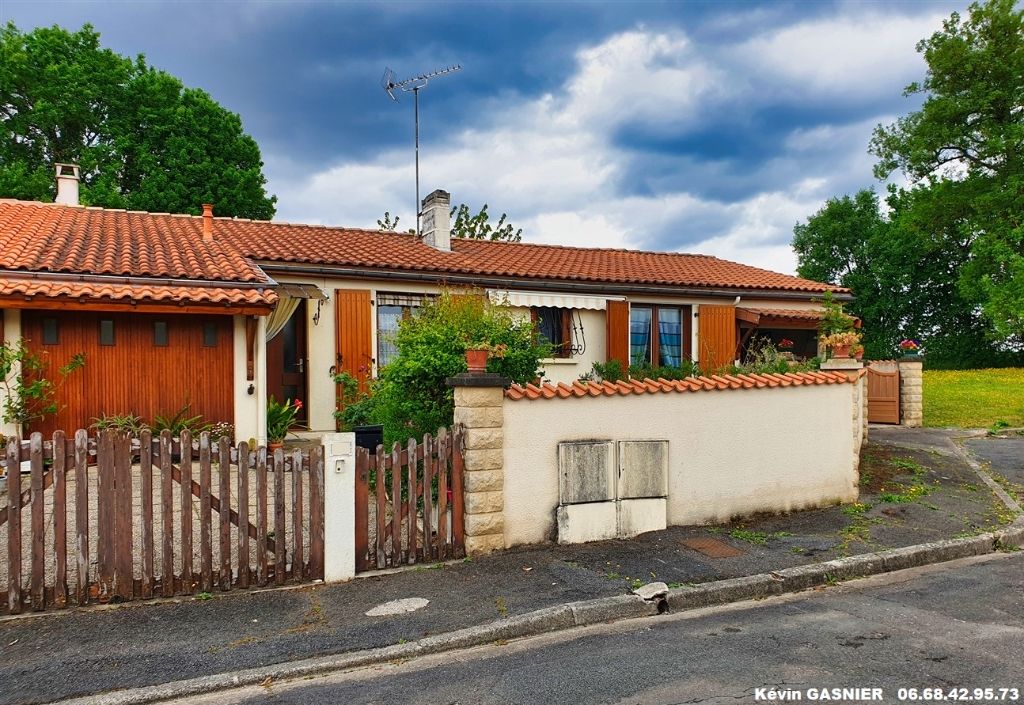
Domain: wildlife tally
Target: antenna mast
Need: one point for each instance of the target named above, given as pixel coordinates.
(413, 85)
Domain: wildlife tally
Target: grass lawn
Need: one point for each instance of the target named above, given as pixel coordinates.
(974, 398)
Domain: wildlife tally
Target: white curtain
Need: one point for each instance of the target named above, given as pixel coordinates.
(277, 319)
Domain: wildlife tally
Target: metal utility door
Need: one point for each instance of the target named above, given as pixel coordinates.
(883, 396)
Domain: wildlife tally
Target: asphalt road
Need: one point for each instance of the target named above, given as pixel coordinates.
(952, 625)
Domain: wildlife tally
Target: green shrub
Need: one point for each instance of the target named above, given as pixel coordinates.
(410, 397)
(612, 371)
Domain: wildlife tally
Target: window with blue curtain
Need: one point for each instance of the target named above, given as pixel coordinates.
(388, 319)
(640, 335)
(670, 337)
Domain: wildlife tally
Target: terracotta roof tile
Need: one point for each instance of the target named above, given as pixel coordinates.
(43, 237)
(562, 390)
(138, 292)
(73, 239)
(281, 242)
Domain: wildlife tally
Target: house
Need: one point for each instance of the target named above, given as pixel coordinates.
(222, 313)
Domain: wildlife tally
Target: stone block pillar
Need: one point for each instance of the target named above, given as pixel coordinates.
(479, 400)
(859, 411)
(911, 391)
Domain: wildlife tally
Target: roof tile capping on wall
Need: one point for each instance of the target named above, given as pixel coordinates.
(562, 390)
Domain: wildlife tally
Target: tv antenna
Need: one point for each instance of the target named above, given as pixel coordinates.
(413, 85)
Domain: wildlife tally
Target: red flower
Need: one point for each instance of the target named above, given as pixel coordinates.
(298, 404)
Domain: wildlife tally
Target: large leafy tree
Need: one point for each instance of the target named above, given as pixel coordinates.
(946, 260)
(964, 148)
(903, 267)
(144, 141)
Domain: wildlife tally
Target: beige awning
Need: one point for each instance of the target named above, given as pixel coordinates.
(301, 291)
(530, 299)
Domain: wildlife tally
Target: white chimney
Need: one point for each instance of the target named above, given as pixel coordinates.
(435, 220)
(67, 184)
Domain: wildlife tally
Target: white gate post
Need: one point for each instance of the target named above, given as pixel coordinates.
(339, 506)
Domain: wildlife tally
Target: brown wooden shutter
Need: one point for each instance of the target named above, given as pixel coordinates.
(617, 340)
(716, 335)
(354, 332)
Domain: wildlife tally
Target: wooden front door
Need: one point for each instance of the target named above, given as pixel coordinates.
(287, 361)
(883, 396)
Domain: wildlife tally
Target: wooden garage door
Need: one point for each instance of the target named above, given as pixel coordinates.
(137, 370)
(716, 333)
(883, 396)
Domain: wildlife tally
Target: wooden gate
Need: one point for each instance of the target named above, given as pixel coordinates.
(883, 396)
(409, 502)
(113, 518)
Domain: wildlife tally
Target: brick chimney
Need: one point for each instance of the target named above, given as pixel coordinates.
(67, 184)
(435, 221)
(208, 222)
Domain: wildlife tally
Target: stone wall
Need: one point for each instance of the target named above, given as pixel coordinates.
(479, 401)
(911, 391)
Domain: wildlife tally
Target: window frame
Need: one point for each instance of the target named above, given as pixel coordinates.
(562, 350)
(51, 323)
(113, 332)
(398, 299)
(686, 334)
(166, 334)
(210, 334)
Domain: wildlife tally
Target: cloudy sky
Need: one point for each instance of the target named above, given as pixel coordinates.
(706, 127)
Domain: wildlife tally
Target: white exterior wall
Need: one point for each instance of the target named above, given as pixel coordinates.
(731, 452)
(321, 335)
(250, 409)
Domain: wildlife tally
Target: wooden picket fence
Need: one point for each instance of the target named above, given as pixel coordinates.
(135, 504)
(409, 502)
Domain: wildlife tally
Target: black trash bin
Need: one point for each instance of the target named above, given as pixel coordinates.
(369, 437)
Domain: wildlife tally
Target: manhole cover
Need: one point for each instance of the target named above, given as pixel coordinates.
(712, 547)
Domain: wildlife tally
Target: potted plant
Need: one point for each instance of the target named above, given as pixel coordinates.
(840, 343)
(477, 354)
(280, 419)
(910, 347)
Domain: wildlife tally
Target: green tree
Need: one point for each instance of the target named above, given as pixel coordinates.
(478, 227)
(903, 269)
(144, 141)
(847, 243)
(410, 397)
(962, 152)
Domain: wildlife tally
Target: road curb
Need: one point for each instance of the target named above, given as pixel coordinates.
(588, 612)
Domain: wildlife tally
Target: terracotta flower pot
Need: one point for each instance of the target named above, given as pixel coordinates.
(274, 445)
(841, 351)
(476, 359)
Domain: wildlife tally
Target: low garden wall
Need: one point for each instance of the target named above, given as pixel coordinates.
(735, 446)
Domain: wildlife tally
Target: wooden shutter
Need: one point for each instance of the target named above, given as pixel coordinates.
(354, 332)
(716, 335)
(617, 340)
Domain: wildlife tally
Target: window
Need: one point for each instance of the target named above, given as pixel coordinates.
(392, 309)
(160, 334)
(209, 334)
(51, 334)
(555, 326)
(659, 335)
(106, 331)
